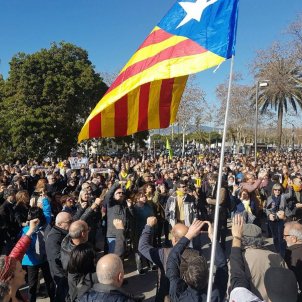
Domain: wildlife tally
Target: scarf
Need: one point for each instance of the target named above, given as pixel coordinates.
(179, 193)
(247, 207)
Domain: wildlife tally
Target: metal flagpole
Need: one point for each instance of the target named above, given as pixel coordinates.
(214, 240)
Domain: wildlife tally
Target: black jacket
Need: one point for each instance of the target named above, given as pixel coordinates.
(53, 250)
(159, 256)
(180, 291)
(106, 293)
(8, 224)
(115, 210)
(79, 285)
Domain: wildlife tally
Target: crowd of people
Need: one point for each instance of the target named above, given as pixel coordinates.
(161, 211)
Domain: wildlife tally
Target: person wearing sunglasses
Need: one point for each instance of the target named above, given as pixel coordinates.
(277, 211)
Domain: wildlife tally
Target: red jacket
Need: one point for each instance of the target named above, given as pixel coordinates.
(20, 248)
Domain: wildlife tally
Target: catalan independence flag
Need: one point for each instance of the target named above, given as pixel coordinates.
(193, 36)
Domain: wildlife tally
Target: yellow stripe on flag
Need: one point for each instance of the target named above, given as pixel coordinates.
(152, 50)
(171, 68)
(178, 88)
(153, 108)
(108, 115)
(133, 109)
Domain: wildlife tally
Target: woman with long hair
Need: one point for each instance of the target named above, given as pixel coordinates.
(22, 207)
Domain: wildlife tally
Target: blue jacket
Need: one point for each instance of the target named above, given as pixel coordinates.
(36, 253)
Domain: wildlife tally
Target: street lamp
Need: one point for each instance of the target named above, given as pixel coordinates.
(263, 83)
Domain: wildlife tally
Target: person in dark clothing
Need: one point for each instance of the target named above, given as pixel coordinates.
(140, 212)
(110, 274)
(192, 286)
(159, 256)
(81, 265)
(293, 253)
(115, 207)
(21, 208)
(81, 271)
(208, 195)
(9, 228)
(53, 248)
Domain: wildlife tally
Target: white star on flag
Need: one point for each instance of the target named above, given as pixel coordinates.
(194, 10)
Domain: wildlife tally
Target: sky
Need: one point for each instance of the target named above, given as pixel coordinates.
(112, 30)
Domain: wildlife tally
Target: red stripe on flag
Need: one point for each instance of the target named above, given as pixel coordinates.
(121, 116)
(182, 49)
(155, 37)
(143, 107)
(95, 126)
(166, 92)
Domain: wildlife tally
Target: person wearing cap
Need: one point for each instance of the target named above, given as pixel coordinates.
(279, 283)
(276, 210)
(258, 259)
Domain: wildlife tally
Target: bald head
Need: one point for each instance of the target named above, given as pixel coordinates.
(79, 230)
(110, 270)
(63, 220)
(178, 231)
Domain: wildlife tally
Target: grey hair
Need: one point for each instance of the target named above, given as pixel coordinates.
(75, 234)
(295, 229)
(255, 242)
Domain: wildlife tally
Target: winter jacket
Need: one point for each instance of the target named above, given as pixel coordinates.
(8, 225)
(115, 210)
(240, 290)
(79, 285)
(293, 258)
(106, 293)
(36, 253)
(282, 205)
(53, 249)
(189, 209)
(20, 248)
(257, 261)
(159, 256)
(180, 291)
(66, 247)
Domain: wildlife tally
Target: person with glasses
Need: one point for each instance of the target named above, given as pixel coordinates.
(293, 254)
(277, 212)
(180, 206)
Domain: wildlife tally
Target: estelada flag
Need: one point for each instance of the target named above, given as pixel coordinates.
(193, 36)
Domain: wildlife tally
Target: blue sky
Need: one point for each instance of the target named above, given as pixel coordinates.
(112, 30)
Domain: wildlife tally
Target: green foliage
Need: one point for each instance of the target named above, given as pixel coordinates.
(47, 97)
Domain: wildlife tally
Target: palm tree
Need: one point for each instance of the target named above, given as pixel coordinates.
(283, 73)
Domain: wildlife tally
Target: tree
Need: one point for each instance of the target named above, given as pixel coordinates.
(295, 30)
(240, 122)
(283, 73)
(48, 96)
(193, 105)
